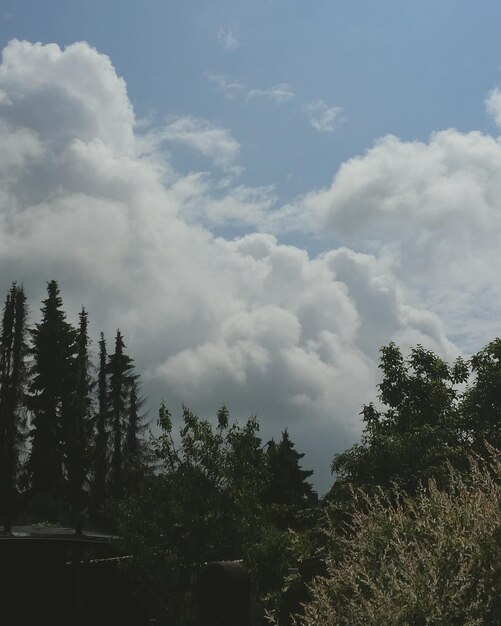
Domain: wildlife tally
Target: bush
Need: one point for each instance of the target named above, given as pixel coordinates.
(430, 559)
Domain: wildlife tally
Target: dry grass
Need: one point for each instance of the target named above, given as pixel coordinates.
(432, 559)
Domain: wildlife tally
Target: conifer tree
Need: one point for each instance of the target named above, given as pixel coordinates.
(12, 380)
(52, 383)
(133, 441)
(288, 481)
(100, 460)
(77, 420)
(122, 377)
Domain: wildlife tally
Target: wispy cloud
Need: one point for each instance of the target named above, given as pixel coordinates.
(233, 90)
(228, 37)
(323, 117)
(493, 105)
(278, 93)
(204, 137)
(228, 88)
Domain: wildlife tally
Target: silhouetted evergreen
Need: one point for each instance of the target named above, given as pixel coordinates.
(12, 413)
(287, 480)
(100, 453)
(122, 378)
(51, 388)
(135, 445)
(78, 421)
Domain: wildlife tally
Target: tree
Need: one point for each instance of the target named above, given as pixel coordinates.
(481, 407)
(430, 558)
(136, 453)
(100, 453)
(77, 420)
(122, 378)
(12, 388)
(287, 481)
(417, 434)
(51, 386)
(202, 503)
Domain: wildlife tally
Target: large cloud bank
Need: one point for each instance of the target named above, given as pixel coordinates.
(433, 212)
(89, 199)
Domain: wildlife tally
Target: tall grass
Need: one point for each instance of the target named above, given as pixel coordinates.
(431, 559)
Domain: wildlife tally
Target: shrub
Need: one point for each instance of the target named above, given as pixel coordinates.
(434, 558)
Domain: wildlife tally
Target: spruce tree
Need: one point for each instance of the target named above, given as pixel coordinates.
(122, 377)
(288, 481)
(133, 428)
(100, 458)
(52, 383)
(12, 380)
(77, 421)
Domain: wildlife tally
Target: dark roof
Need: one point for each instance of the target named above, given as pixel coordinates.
(39, 531)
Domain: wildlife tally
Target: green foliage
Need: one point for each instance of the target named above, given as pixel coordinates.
(482, 400)
(417, 433)
(434, 558)
(202, 504)
(288, 481)
(209, 500)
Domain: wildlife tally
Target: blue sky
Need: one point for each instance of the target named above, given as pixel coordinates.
(394, 67)
(260, 194)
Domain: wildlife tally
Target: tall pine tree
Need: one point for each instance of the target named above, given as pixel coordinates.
(122, 379)
(288, 481)
(77, 421)
(52, 384)
(12, 380)
(100, 453)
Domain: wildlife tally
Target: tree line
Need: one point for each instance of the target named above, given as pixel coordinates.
(73, 438)
(68, 439)
(73, 441)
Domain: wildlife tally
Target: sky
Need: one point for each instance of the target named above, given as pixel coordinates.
(259, 195)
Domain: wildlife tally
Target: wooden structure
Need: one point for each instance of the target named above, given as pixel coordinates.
(57, 576)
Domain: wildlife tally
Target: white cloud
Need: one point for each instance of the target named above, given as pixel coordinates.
(88, 200)
(433, 210)
(322, 117)
(199, 134)
(228, 37)
(493, 105)
(232, 90)
(278, 93)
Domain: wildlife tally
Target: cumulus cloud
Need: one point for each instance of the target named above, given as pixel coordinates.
(88, 199)
(433, 210)
(232, 90)
(323, 117)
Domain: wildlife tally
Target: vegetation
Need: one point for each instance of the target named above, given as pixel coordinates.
(51, 420)
(408, 534)
(431, 558)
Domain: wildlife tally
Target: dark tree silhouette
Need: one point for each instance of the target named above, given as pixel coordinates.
(122, 378)
(77, 421)
(481, 407)
(12, 415)
(49, 400)
(100, 455)
(135, 446)
(419, 431)
(288, 484)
